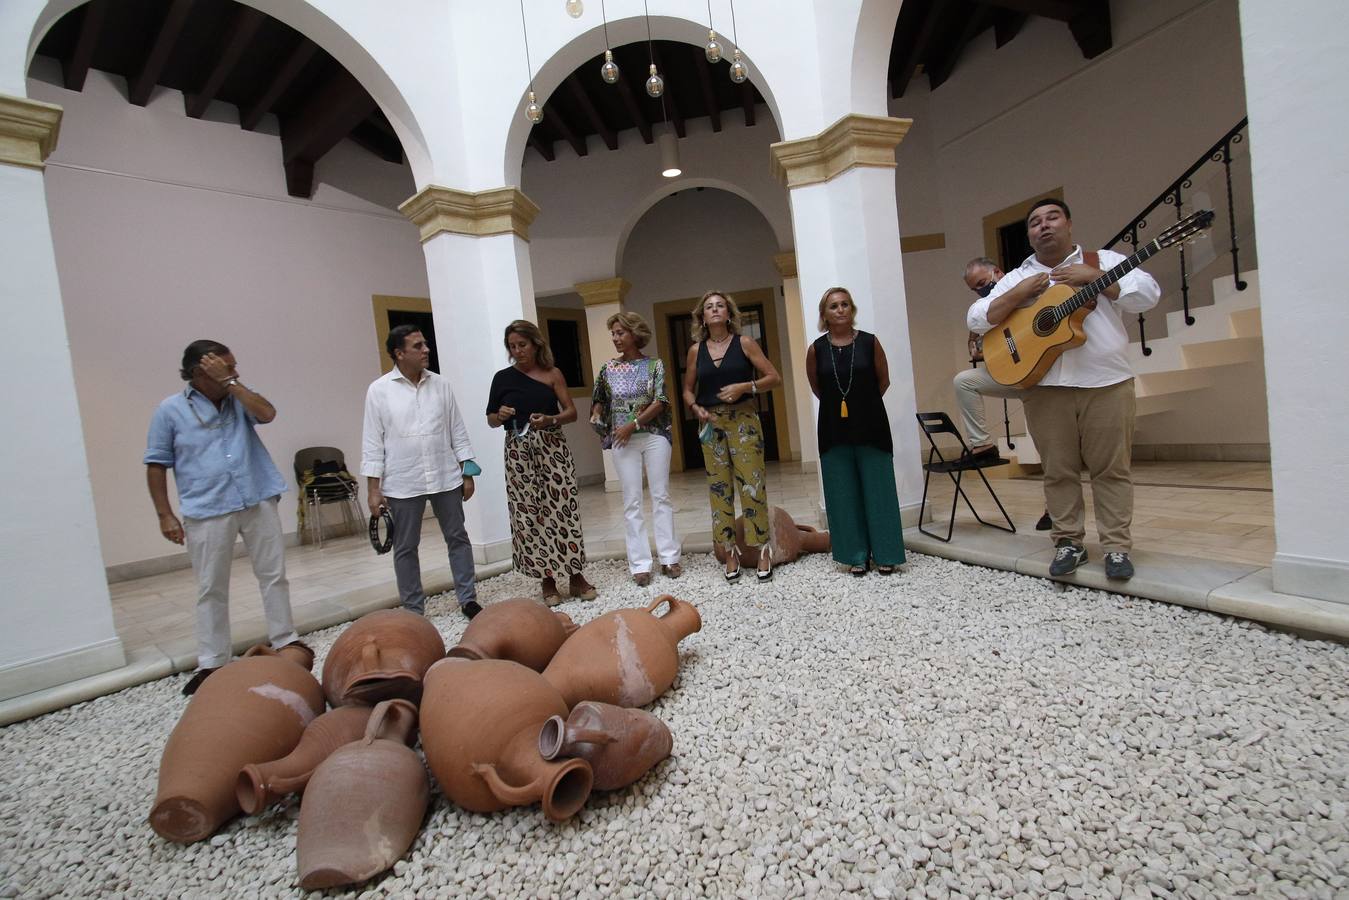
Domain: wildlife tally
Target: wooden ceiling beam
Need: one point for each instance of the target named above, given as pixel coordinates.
(1060, 10)
(747, 102)
(1091, 28)
(241, 30)
(667, 100)
(903, 72)
(705, 83)
(369, 136)
(582, 98)
(140, 87)
(1007, 25)
(629, 98)
(294, 64)
(75, 66)
(976, 20)
(330, 114)
(578, 142)
(544, 148)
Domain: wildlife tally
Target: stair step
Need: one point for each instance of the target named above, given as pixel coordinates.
(1246, 323)
(1154, 384)
(1227, 352)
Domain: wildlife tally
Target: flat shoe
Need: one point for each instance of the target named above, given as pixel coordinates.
(642, 579)
(885, 570)
(857, 571)
(588, 593)
(673, 570)
(552, 599)
(202, 674)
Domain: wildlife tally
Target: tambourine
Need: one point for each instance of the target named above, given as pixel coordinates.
(384, 546)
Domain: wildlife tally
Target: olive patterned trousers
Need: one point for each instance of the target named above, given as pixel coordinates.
(733, 456)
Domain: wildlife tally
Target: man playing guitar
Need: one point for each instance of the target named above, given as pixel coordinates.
(1081, 415)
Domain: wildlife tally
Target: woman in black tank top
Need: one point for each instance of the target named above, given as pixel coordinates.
(849, 374)
(725, 371)
(531, 400)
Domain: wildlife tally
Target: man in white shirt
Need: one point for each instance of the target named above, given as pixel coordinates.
(1081, 414)
(415, 448)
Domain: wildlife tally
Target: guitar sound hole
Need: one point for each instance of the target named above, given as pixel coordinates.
(1045, 322)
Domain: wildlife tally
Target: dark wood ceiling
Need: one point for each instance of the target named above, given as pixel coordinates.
(222, 50)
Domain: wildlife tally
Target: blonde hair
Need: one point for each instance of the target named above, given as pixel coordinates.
(824, 301)
(732, 321)
(531, 333)
(633, 323)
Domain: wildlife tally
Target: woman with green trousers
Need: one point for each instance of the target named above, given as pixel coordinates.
(849, 375)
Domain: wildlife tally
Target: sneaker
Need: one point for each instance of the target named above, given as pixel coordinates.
(202, 674)
(1044, 523)
(1118, 567)
(1067, 558)
(470, 609)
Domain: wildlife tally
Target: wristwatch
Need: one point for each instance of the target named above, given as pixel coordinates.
(231, 382)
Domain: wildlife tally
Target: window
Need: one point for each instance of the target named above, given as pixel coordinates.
(565, 331)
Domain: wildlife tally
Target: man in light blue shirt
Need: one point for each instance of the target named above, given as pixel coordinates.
(227, 487)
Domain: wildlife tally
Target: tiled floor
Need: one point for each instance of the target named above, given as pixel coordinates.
(1220, 511)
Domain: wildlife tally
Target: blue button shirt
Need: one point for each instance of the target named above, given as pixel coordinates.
(218, 462)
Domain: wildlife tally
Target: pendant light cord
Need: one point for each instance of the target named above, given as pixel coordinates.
(604, 17)
(735, 35)
(529, 67)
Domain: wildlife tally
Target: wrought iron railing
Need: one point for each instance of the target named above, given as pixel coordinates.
(1175, 195)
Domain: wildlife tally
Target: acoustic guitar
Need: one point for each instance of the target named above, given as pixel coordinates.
(1019, 350)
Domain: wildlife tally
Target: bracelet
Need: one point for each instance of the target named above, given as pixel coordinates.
(754, 388)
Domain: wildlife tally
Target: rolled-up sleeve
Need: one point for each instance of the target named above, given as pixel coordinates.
(372, 437)
(159, 440)
(1138, 292)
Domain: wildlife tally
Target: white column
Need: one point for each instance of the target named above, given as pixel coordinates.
(477, 266)
(799, 336)
(846, 226)
(603, 299)
(1296, 73)
(53, 592)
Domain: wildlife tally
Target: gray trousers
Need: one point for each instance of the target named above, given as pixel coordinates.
(210, 546)
(972, 386)
(448, 507)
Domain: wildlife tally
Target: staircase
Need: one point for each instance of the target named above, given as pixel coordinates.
(1190, 358)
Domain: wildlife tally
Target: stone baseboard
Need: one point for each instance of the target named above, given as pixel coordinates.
(1201, 452)
(70, 665)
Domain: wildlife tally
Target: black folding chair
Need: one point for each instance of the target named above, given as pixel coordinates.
(955, 469)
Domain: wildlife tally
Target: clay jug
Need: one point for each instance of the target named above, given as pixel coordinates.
(381, 656)
(620, 744)
(365, 803)
(261, 785)
(480, 734)
(253, 710)
(628, 657)
(789, 539)
(521, 630)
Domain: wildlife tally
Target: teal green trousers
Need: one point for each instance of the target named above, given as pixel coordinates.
(862, 506)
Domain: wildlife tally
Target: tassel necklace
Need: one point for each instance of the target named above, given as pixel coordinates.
(852, 355)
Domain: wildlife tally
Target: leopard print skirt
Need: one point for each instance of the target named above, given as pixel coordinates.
(545, 508)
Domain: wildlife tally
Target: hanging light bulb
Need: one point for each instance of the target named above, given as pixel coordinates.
(713, 49)
(534, 112)
(739, 71)
(655, 85)
(669, 153)
(609, 71)
(575, 8)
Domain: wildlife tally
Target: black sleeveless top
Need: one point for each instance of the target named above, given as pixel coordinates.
(866, 424)
(735, 368)
(511, 387)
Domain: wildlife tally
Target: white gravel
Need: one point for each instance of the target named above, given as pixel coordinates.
(949, 730)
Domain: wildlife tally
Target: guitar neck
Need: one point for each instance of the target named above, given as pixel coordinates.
(1088, 292)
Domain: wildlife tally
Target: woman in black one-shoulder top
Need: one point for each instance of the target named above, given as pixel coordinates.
(725, 371)
(531, 400)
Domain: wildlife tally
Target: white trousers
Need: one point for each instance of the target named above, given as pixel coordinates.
(210, 546)
(972, 386)
(652, 453)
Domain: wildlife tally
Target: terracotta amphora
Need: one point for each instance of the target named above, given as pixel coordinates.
(790, 540)
(261, 785)
(522, 630)
(364, 804)
(381, 656)
(620, 744)
(628, 657)
(480, 734)
(253, 710)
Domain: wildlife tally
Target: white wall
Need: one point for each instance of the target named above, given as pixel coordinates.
(169, 229)
(1034, 115)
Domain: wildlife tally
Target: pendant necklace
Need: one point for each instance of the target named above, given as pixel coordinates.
(852, 354)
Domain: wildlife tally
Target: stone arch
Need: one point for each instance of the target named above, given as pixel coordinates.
(562, 61)
(320, 27)
(875, 33)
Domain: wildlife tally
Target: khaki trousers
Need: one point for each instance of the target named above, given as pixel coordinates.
(1091, 428)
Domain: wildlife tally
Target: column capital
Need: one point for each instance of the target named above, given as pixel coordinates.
(786, 263)
(854, 140)
(597, 293)
(436, 209)
(28, 131)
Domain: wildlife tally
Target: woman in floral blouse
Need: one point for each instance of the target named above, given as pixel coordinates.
(631, 412)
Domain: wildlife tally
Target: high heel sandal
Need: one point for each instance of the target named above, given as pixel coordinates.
(733, 551)
(765, 553)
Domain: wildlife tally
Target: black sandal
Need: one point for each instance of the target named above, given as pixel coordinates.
(857, 571)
